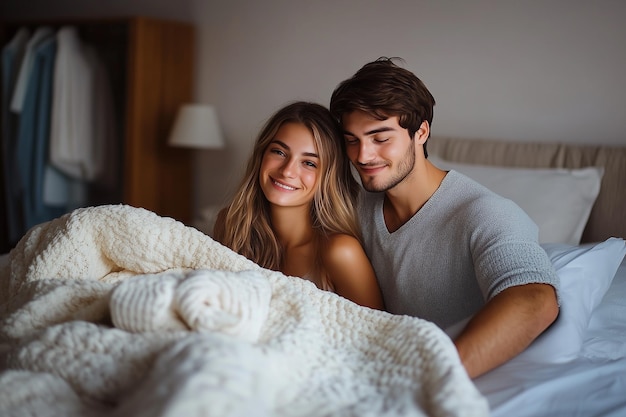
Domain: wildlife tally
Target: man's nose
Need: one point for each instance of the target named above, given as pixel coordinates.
(366, 152)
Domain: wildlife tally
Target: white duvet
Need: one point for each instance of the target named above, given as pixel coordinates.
(115, 311)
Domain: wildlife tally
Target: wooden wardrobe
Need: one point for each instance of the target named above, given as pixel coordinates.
(150, 65)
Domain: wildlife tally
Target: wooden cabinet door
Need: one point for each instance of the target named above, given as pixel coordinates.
(160, 79)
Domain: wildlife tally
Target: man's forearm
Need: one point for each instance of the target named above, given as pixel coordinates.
(506, 326)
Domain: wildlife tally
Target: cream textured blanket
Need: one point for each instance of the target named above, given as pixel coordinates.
(115, 311)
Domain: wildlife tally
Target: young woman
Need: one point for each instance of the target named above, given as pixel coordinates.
(294, 209)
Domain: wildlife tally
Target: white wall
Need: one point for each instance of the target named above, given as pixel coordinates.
(535, 70)
(530, 70)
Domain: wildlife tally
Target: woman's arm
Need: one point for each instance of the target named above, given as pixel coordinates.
(351, 272)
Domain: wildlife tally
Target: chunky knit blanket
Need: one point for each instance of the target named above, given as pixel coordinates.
(115, 311)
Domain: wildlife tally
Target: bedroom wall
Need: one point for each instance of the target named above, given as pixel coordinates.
(531, 71)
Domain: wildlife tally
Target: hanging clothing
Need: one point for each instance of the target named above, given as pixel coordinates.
(59, 137)
(12, 56)
(19, 93)
(82, 131)
(34, 129)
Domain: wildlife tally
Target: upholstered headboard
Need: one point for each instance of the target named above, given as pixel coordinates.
(608, 215)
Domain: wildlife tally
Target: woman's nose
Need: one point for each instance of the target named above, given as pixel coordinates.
(289, 169)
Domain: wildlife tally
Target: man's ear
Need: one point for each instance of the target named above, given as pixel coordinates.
(421, 135)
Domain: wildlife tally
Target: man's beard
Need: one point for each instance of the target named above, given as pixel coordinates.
(405, 167)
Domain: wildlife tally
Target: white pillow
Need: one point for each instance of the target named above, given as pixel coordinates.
(585, 273)
(557, 200)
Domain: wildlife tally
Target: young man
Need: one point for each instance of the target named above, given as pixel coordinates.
(444, 248)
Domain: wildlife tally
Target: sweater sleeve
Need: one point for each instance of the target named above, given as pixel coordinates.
(506, 251)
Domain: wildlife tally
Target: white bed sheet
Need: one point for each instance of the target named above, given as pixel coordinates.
(594, 384)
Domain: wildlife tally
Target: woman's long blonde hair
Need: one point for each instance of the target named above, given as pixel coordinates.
(245, 224)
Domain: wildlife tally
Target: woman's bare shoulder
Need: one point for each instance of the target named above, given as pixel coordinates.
(350, 270)
(339, 247)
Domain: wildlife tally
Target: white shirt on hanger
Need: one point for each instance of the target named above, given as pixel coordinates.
(81, 129)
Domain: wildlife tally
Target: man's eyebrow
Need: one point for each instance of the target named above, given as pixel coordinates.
(284, 145)
(371, 132)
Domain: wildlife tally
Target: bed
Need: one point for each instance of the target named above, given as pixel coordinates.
(577, 196)
(113, 310)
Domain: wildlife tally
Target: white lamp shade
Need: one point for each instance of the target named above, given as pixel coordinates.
(196, 126)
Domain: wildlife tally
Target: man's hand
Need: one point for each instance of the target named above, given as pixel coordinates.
(505, 326)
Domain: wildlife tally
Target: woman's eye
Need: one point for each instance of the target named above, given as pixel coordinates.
(310, 164)
(277, 152)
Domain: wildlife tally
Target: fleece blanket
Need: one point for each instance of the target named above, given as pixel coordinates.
(115, 311)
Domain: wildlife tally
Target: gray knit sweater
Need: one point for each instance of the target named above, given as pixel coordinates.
(464, 246)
